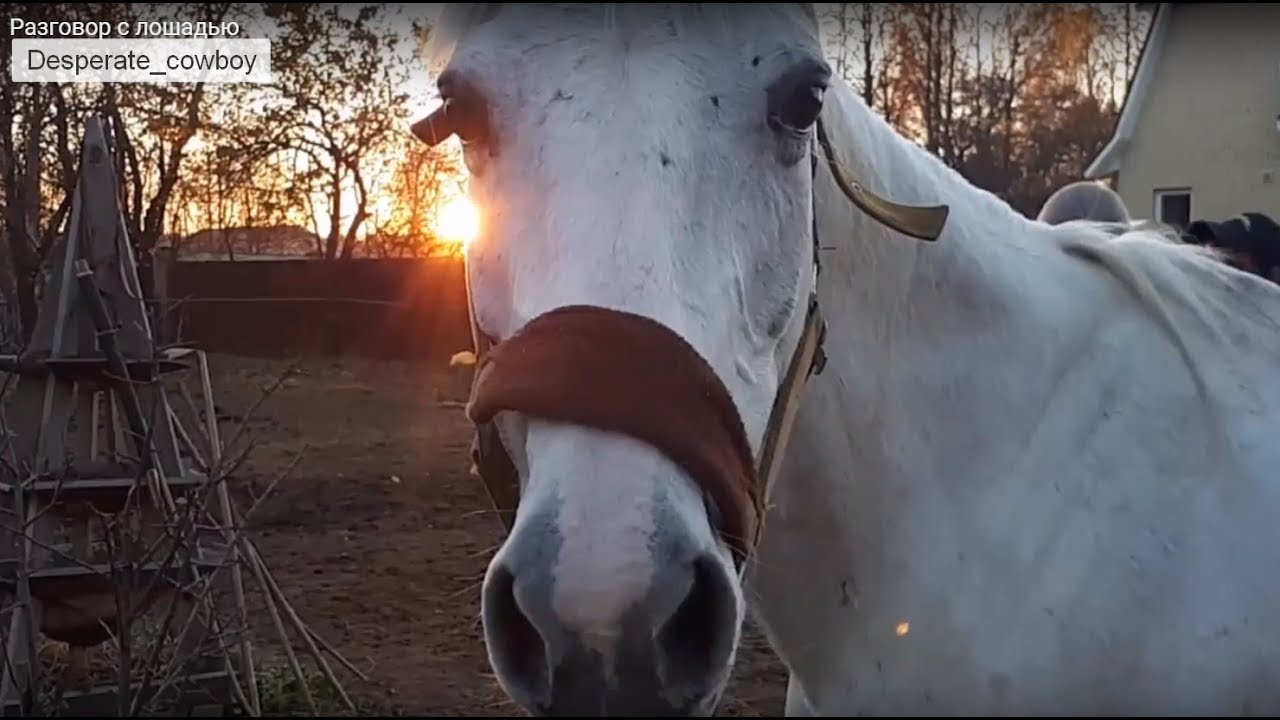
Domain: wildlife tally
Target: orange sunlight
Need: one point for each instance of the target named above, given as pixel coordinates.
(458, 222)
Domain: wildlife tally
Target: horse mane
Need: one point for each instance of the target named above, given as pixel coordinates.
(1158, 269)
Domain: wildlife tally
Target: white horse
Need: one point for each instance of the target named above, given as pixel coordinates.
(1040, 473)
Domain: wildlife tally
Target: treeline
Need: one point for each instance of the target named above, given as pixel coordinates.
(1018, 97)
(323, 149)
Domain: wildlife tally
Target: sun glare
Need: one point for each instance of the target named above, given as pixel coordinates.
(458, 221)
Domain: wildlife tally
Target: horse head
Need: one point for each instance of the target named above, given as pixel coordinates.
(643, 303)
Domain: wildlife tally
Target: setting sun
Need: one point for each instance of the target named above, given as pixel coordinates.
(458, 221)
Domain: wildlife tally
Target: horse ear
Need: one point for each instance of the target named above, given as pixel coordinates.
(436, 127)
(920, 222)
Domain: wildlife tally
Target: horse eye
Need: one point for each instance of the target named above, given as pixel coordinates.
(467, 109)
(799, 110)
(795, 99)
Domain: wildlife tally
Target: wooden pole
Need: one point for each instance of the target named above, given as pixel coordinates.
(231, 527)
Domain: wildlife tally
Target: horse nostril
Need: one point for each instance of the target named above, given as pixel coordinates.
(696, 641)
(516, 648)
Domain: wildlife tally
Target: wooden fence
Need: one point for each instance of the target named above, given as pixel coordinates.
(392, 309)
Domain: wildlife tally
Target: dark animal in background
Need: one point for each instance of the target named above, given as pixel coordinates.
(1250, 242)
(1084, 200)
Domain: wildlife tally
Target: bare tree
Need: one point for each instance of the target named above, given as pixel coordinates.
(422, 183)
(338, 86)
(36, 138)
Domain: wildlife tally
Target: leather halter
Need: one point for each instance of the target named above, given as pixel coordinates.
(696, 404)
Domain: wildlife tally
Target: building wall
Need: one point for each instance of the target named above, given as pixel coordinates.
(1209, 121)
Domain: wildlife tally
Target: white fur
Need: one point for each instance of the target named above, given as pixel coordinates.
(1049, 453)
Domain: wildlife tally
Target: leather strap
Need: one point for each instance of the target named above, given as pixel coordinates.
(491, 465)
(809, 360)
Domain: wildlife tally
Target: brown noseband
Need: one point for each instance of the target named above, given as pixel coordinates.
(628, 374)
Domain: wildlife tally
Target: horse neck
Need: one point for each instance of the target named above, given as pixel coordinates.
(924, 345)
(910, 320)
(983, 234)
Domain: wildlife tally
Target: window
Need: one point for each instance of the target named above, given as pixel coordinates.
(1173, 207)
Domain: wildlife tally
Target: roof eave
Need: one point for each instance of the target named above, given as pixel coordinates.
(1108, 160)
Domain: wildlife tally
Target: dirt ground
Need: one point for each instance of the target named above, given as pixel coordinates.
(378, 536)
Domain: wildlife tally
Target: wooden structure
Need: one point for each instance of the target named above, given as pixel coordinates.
(106, 487)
